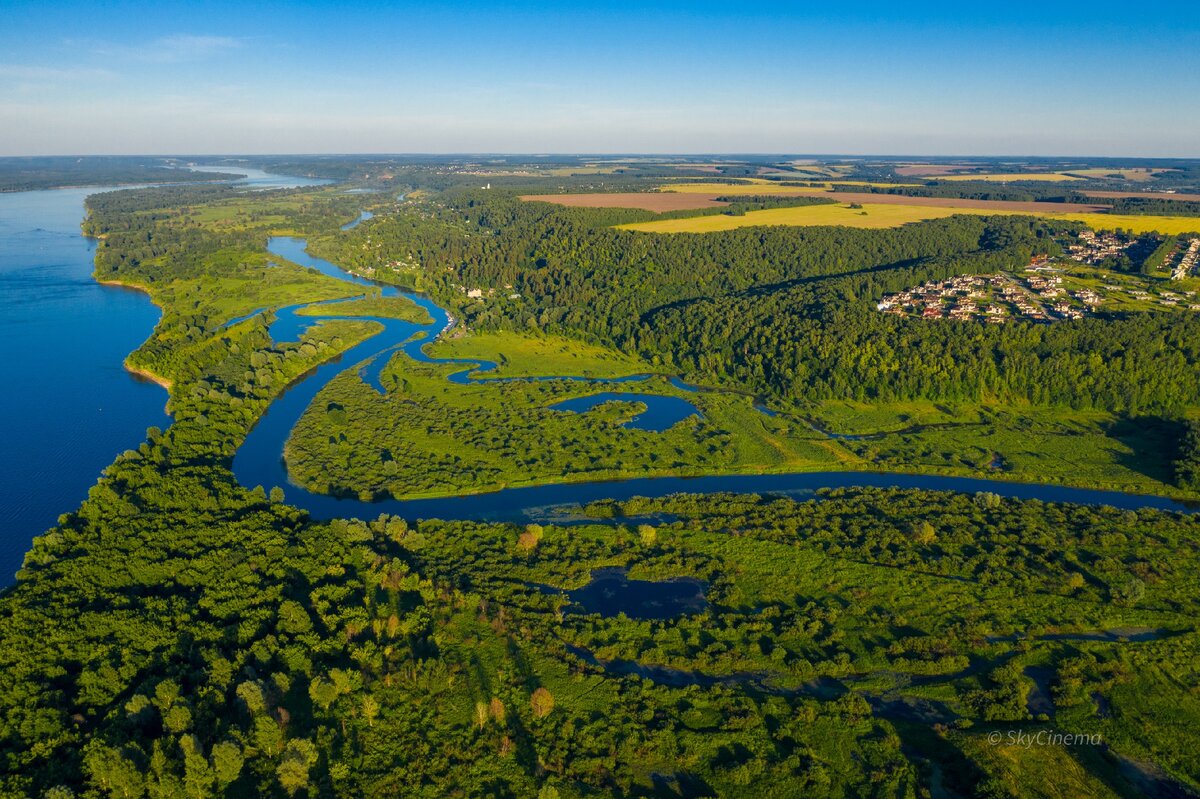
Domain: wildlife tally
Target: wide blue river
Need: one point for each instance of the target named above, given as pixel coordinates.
(70, 407)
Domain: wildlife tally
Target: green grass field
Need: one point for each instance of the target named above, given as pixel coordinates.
(389, 307)
(520, 355)
(1083, 448)
(430, 437)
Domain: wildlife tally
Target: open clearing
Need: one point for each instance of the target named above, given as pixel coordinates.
(657, 202)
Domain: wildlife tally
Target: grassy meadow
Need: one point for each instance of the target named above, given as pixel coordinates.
(388, 307)
(519, 355)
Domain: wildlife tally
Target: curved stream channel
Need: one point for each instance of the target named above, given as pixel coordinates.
(259, 461)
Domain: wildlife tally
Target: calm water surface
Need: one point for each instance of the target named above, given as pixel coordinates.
(69, 405)
(72, 408)
(259, 461)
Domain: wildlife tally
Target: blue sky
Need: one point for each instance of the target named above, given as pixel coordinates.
(922, 78)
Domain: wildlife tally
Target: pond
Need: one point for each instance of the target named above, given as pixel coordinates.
(611, 593)
(662, 411)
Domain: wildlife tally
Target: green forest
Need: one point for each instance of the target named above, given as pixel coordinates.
(180, 634)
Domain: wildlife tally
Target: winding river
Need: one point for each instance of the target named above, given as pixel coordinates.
(260, 459)
(71, 407)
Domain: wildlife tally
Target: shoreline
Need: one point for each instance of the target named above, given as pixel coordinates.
(146, 374)
(757, 471)
(119, 186)
(1002, 482)
(124, 285)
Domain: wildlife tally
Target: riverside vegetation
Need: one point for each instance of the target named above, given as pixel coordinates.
(180, 634)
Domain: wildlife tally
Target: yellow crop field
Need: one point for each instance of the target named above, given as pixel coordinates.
(878, 215)
(1136, 222)
(1013, 177)
(869, 216)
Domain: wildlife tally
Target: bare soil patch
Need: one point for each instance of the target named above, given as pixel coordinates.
(658, 202)
(1154, 195)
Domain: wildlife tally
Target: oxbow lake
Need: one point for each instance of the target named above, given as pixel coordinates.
(72, 407)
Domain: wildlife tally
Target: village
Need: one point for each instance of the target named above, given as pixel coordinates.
(1051, 290)
(1188, 253)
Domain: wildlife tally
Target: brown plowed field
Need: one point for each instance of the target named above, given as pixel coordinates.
(1154, 195)
(656, 201)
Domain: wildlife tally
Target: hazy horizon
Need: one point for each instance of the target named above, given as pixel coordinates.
(599, 78)
(615, 154)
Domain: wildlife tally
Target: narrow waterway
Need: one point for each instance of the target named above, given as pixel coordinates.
(260, 459)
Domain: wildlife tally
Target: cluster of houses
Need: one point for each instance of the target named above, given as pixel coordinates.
(479, 294)
(1186, 265)
(1092, 248)
(994, 299)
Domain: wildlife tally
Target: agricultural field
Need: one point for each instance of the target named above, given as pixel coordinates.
(994, 206)
(1133, 175)
(657, 202)
(1152, 195)
(1015, 177)
(758, 186)
(873, 216)
(1135, 223)
(930, 170)
(882, 211)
